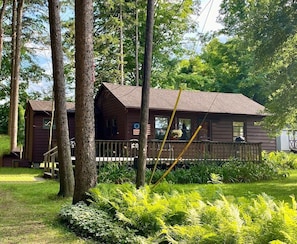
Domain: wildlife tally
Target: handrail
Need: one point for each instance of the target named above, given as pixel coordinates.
(53, 149)
(50, 161)
(126, 152)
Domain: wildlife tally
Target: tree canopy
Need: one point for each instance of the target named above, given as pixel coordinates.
(268, 30)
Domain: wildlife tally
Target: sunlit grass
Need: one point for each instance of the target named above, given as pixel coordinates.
(30, 209)
(20, 174)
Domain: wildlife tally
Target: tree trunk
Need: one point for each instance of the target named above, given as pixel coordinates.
(121, 46)
(140, 178)
(16, 56)
(85, 165)
(65, 163)
(136, 45)
(2, 11)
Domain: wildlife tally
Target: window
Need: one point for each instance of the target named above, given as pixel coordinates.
(185, 126)
(161, 124)
(47, 123)
(238, 130)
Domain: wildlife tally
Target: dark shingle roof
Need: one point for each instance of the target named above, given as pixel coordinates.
(47, 106)
(191, 101)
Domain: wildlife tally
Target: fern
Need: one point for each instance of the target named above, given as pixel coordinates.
(170, 216)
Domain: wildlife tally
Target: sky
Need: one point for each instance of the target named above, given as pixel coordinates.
(209, 14)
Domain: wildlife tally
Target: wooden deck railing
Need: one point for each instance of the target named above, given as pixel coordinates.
(126, 151)
(50, 162)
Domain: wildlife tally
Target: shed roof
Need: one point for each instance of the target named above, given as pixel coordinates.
(190, 100)
(46, 106)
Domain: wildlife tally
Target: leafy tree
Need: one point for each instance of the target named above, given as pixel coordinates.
(282, 78)
(264, 25)
(192, 73)
(269, 29)
(85, 165)
(232, 69)
(173, 20)
(30, 70)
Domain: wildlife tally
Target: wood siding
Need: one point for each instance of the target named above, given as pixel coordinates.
(257, 134)
(220, 126)
(111, 110)
(37, 137)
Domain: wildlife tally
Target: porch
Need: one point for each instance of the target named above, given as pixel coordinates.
(126, 152)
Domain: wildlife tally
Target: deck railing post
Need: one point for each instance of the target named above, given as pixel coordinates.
(124, 151)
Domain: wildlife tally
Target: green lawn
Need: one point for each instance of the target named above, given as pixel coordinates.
(29, 209)
(278, 189)
(29, 206)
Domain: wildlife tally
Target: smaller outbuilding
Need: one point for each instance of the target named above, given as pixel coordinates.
(38, 116)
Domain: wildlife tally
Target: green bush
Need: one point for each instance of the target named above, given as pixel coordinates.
(179, 217)
(284, 160)
(4, 144)
(115, 173)
(89, 222)
(199, 173)
(229, 172)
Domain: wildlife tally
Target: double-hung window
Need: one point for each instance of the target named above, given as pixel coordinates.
(238, 130)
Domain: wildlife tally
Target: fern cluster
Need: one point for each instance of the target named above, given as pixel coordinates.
(148, 216)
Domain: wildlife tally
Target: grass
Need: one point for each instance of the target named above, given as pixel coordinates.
(29, 207)
(20, 175)
(280, 189)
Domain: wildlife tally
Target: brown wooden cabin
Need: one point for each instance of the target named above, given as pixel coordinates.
(227, 115)
(117, 116)
(37, 128)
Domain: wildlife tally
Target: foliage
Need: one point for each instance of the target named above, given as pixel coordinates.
(172, 20)
(115, 173)
(4, 112)
(184, 217)
(34, 43)
(264, 24)
(282, 77)
(281, 159)
(4, 144)
(90, 222)
(202, 172)
(268, 29)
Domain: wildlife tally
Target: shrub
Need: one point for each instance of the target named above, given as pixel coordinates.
(178, 217)
(4, 144)
(115, 173)
(90, 222)
(284, 160)
(199, 173)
